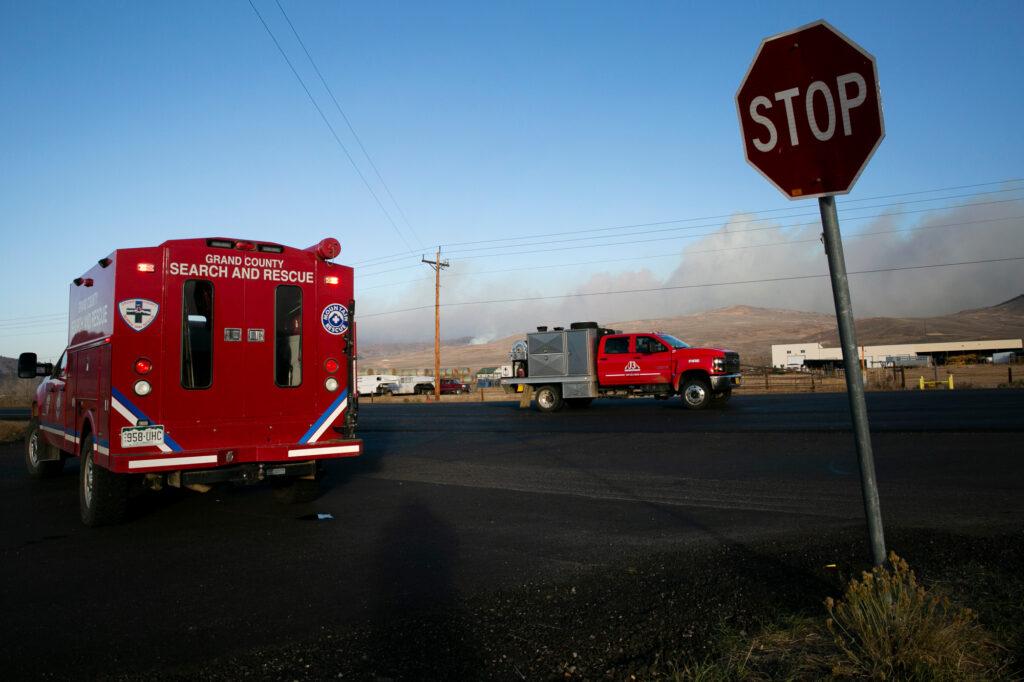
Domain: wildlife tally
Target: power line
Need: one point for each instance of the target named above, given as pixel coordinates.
(34, 333)
(696, 227)
(348, 123)
(694, 286)
(689, 236)
(502, 249)
(846, 202)
(783, 242)
(330, 127)
(41, 318)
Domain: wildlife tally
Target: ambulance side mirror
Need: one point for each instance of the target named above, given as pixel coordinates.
(30, 368)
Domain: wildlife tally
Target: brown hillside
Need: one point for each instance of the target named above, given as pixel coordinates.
(748, 330)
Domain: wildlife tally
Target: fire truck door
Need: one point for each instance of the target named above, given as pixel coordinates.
(654, 359)
(617, 362)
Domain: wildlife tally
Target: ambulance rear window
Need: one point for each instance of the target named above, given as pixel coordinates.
(288, 336)
(197, 334)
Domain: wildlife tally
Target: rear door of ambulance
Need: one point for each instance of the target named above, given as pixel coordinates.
(279, 337)
(208, 379)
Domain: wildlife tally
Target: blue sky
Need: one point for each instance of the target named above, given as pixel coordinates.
(125, 124)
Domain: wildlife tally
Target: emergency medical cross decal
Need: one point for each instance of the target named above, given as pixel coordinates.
(138, 313)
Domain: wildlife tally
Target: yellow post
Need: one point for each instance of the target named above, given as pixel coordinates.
(951, 382)
(920, 383)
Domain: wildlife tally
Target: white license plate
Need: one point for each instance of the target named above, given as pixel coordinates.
(141, 436)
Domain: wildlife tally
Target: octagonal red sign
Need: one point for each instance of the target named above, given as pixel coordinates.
(810, 111)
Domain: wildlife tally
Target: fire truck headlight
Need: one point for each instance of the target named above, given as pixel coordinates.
(331, 384)
(142, 387)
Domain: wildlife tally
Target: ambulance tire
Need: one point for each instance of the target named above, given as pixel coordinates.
(695, 393)
(36, 445)
(102, 494)
(578, 403)
(297, 490)
(548, 398)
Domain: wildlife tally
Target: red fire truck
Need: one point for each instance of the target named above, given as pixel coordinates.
(573, 366)
(200, 361)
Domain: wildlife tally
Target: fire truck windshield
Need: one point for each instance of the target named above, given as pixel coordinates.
(673, 341)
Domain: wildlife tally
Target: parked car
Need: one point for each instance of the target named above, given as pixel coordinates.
(453, 387)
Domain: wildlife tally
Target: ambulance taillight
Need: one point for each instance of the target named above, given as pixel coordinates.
(331, 279)
(143, 366)
(145, 267)
(331, 365)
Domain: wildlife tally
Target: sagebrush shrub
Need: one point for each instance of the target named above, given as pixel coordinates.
(887, 626)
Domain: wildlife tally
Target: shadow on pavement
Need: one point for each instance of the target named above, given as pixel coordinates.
(421, 625)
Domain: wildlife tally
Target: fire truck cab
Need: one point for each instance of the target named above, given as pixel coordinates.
(200, 361)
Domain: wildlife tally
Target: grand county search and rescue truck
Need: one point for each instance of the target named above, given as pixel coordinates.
(573, 366)
(196, 362)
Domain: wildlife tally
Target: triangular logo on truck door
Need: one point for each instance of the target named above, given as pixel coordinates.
(138, 313)
(631, 366)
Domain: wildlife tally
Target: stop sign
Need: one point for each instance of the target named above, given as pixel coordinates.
(810, 111)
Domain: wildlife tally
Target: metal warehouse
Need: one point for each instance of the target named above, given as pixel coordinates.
(799, 354)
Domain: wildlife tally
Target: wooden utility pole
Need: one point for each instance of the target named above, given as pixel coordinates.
(438, 265)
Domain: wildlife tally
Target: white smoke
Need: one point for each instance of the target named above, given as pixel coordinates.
(721, 269)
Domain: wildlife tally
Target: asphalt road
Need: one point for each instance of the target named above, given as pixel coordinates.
(14, 413)
(461, 499)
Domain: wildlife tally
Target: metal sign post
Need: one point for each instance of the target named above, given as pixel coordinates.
(811, 117)
(854, 376)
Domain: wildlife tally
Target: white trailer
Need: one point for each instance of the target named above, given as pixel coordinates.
(413, 385)
(370, 384)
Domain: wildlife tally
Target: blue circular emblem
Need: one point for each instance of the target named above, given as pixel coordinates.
(334, 318)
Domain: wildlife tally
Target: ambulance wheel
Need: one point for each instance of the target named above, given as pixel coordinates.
(696, 393)
(578, 403)
(38, 454)
(720, 399)
(549, 399)
(102, 494)
(297, 490)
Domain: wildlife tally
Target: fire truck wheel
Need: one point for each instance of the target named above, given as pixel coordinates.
(102, 494)
(297, 490)
(696, 393)
(549, 399)
(37, 447)
(578, 403)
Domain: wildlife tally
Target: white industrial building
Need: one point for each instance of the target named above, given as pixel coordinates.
(800, 354)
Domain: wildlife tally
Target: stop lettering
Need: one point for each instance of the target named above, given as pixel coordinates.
(810, 112)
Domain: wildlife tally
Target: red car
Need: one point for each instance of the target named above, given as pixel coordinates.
(453, 387)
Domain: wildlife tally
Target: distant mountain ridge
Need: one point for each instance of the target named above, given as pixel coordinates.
(747, 329)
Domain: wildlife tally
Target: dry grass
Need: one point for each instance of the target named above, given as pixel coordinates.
(885, 627)
(12, 431)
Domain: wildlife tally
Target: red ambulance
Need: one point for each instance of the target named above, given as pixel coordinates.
(200, 361)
